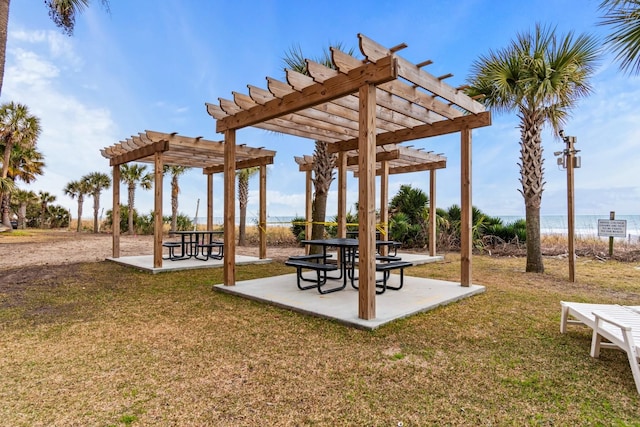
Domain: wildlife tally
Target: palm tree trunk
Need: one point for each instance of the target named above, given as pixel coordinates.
(96, 208)
(132, 190)
(80, 202)
(531, 175)
(4, 23)
(534, 251)
(318, 218)
(243, 200)
(22, 216)
(6, 208)
(175, 190)
(5, 171)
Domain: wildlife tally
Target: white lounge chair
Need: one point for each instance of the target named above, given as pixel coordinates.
(578, 313)
(621, 330)
(618, 325)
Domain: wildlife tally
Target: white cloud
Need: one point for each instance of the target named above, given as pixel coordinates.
(72, 131)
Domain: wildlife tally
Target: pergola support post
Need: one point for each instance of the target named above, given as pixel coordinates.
(432, 212)
(308, 209)
(209, 201)
(262, 227)
(466, 209)
(229, 207)
(366, 202)
(157, 220)
(115, 224)
(384, 205)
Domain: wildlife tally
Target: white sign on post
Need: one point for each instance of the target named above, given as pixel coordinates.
(612, 228)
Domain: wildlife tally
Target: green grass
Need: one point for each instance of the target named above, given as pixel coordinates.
(100, 344)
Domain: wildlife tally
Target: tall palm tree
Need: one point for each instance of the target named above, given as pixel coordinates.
(243, 200)
(323, 162)
(132, 175)
(22, 198)
(77, 189)
(62, 12)
(18, 128)
(96, 182)
(175, 172)
(623, 17)
(45, 198)
(541, 76)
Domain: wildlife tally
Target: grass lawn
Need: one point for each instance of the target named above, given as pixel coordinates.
(104, 345)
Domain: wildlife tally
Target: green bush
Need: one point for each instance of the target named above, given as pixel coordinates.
(298, 228)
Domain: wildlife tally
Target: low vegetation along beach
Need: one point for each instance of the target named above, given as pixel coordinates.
(89, 342)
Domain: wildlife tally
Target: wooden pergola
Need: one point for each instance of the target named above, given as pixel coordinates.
(172, 149)
(357, 105)
(391, 159)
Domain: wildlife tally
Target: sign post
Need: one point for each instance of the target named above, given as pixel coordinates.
(611, 228)
(612, 216)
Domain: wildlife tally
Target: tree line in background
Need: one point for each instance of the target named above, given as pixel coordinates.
(409, 224)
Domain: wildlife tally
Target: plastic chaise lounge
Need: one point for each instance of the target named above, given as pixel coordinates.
(614, 326)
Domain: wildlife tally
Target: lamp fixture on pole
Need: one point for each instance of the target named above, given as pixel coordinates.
(568, 160)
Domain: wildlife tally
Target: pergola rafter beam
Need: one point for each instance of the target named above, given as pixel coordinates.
(344, 84)
(139, 153)
(406, 95)
(242, 164)
(419, 132)
(408, 71)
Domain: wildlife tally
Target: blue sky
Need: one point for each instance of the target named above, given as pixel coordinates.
(153, 64)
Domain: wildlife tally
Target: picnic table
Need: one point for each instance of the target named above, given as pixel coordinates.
(199, 244)
(348, 248)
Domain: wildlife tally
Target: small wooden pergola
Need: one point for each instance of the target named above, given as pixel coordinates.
(356, 105)
(391, 159)
(172, 149)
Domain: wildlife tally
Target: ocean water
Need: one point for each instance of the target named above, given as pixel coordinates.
(585, 225)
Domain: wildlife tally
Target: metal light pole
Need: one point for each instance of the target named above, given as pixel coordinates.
(569, 161)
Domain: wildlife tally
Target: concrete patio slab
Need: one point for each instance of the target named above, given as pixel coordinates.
(417, 295)
(145, 263)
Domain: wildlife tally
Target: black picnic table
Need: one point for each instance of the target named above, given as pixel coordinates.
(198, 244)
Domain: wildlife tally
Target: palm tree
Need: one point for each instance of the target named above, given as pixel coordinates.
(58, 216)
(45, 198)
(25, 163)
(413, 205)
(77, 189)
(623, 17)
(22, 198)
(323, 162)
(541, 77)
(132, 175)
(96, 182)
(243, 200)
(18, 129)
(175, 172)
(62, 12)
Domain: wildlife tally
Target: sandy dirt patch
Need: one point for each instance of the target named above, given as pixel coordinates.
(67, 247)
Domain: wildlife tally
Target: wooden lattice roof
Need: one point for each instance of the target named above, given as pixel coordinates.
(324, 104)
(181, 150)
(401, 159)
